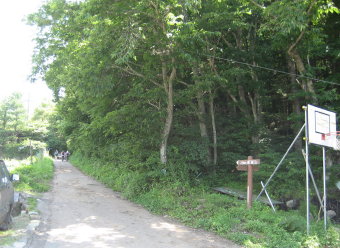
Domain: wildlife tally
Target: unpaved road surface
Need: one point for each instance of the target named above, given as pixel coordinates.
(80, 212)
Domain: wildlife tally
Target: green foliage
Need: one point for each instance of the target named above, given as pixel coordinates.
(127, 176)
(331, 238)
(34, 177)
(158, 200)
(32, 203)
(21, 137)
(287, 179)
(293, 223)
(12, 112)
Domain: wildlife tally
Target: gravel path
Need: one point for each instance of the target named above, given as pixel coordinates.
(80, 212)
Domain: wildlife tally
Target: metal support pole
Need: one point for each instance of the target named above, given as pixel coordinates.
(270, 200)
(307, 172)
(284, 156)
(324, 189)
(313, 181)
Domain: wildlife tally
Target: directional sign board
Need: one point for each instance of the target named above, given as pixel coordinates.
(242, 165)
(248, 162)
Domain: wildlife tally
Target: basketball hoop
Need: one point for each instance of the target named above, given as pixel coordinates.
(335, 135)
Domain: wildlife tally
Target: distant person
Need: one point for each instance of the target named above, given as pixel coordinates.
(62, 156)
(56, 153)
(67, 154)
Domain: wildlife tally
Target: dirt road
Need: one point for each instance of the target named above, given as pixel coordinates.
(80, 212)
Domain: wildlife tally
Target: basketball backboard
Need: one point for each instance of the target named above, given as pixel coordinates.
(321, 123)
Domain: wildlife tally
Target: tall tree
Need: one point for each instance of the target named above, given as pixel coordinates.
(12, 112)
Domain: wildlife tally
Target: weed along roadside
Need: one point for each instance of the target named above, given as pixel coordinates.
(196, 205)
(35, 179)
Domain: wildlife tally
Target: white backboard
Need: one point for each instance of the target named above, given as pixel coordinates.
(321, 121)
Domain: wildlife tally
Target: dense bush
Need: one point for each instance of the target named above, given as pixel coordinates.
(35, 177)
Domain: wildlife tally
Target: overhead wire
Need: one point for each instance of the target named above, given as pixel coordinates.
(273, 70)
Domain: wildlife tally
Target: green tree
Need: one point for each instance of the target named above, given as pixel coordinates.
(12, 112)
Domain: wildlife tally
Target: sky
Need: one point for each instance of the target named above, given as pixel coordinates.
(16, 49)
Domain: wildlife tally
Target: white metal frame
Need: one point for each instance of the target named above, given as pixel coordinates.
(318, 123)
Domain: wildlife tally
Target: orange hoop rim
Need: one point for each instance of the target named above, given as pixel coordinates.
(323, 135)
(337, 139)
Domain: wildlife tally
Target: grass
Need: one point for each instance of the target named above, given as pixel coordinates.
(229, 217)
(199, 207)
(36, 177)
(32, 203)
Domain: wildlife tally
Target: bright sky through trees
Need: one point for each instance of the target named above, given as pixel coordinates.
(16, 48)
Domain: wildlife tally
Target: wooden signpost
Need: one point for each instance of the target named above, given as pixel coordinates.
(249, 165)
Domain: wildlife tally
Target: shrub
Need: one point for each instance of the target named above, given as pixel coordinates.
(35, 177)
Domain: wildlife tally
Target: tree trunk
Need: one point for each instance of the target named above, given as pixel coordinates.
(213, 123)
(168, 87)
(201, 114)
(296, 101)
(307, 85)
(295, 56)
(255, 109)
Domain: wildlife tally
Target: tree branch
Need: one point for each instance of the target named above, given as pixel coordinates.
(296, 42)
(131, 71)
(302, 32)
(227, 42)
(182, 82)
(158, 107)
(257, 4)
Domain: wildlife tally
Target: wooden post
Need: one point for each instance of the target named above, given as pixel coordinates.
(250, 184)
(248, 165)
